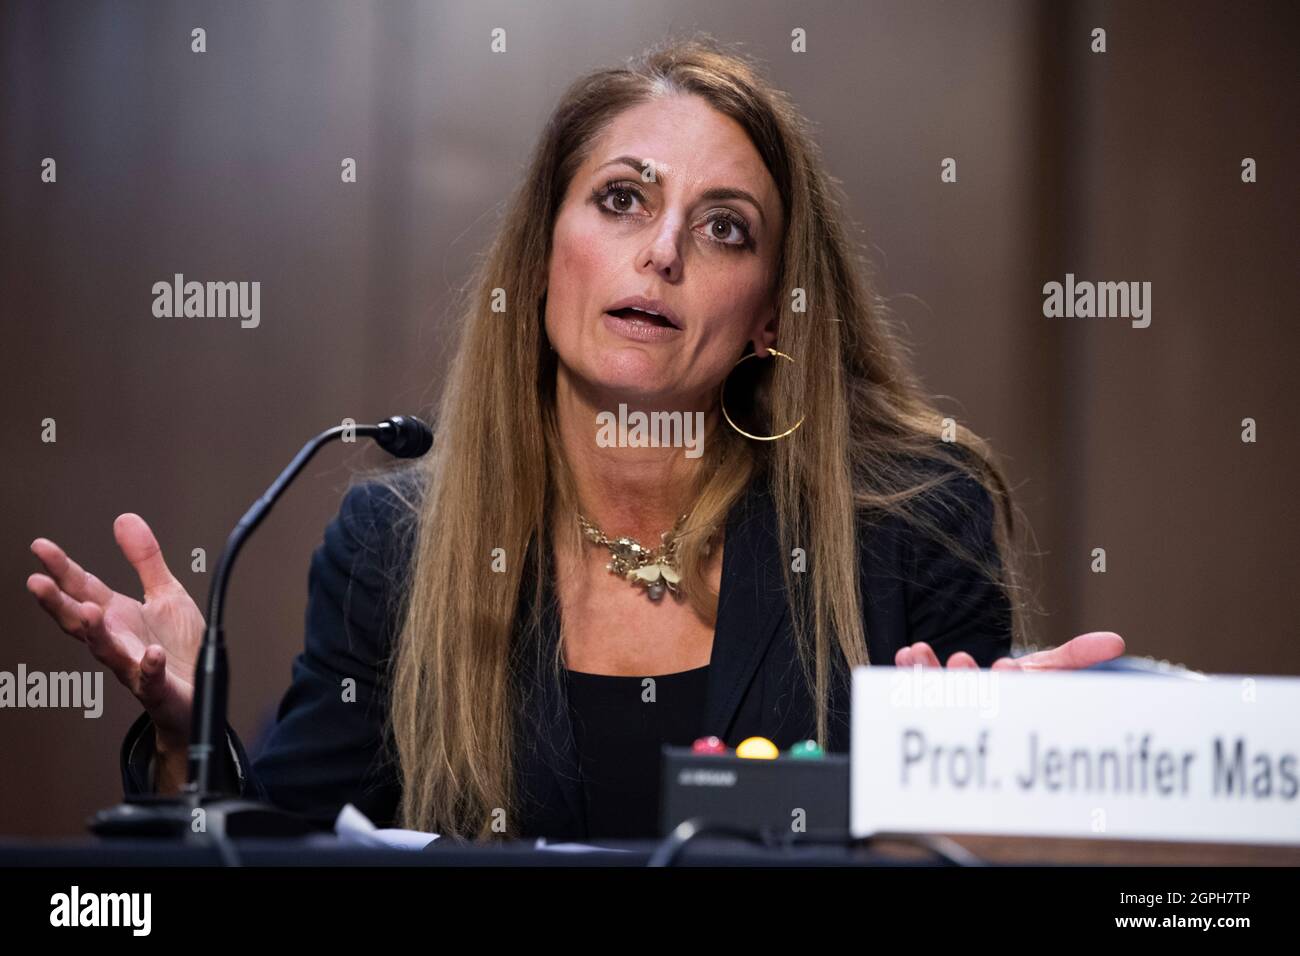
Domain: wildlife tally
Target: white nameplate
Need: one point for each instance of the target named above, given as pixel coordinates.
(1086, 754)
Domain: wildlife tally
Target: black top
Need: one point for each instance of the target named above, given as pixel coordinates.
(619, 725)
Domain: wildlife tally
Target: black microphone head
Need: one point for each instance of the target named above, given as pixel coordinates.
(405, 436)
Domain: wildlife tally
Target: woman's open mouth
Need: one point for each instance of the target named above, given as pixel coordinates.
(640, 325)
(641, 315)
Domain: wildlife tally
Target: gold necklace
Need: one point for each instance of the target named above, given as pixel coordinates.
(653, 569)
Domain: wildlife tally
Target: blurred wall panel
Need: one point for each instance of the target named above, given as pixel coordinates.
(1199, 528)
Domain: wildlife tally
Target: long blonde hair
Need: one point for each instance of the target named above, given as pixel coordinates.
(495, 476)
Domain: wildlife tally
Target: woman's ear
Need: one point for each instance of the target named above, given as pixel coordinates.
(765, 337)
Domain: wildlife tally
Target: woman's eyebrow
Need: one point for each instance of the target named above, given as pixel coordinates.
(717, 192)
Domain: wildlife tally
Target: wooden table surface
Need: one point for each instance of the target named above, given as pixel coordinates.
(1109, 852)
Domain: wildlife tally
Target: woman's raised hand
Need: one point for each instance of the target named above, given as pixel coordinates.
(1082, 651)
(151, 647)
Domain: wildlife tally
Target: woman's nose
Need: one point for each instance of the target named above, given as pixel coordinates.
(662, 253)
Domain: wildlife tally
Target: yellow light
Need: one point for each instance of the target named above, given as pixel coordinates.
(757, 748)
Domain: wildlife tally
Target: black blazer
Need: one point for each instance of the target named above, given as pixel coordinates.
(324, 752)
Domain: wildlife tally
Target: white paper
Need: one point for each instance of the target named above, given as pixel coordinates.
(541, 844)
(354, 828)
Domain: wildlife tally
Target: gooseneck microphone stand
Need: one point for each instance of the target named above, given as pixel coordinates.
(210, 787)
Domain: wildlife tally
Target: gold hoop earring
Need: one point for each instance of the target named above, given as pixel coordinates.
(722, 400)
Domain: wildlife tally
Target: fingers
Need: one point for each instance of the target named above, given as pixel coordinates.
(141, 548)
(153, 675)
(111, 650)
(84, 620)
(1080, 652)
(922, 654)
(67, 611)
(962, 661)
(919, 654)
(69, 575)
(1091, 648)
(1075, 654)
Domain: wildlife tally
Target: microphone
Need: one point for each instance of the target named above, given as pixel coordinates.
(209, 784)
(403, 436)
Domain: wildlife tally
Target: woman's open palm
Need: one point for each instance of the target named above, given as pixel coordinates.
(150, 646)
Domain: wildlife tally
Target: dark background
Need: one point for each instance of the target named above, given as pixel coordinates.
(1123, 166)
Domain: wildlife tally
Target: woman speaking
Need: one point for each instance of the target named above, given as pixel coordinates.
(500, 638)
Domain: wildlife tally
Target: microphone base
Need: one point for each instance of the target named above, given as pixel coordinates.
(173, 817)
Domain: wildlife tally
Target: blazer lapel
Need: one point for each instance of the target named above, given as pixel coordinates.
(751, 603)
(546, 718)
